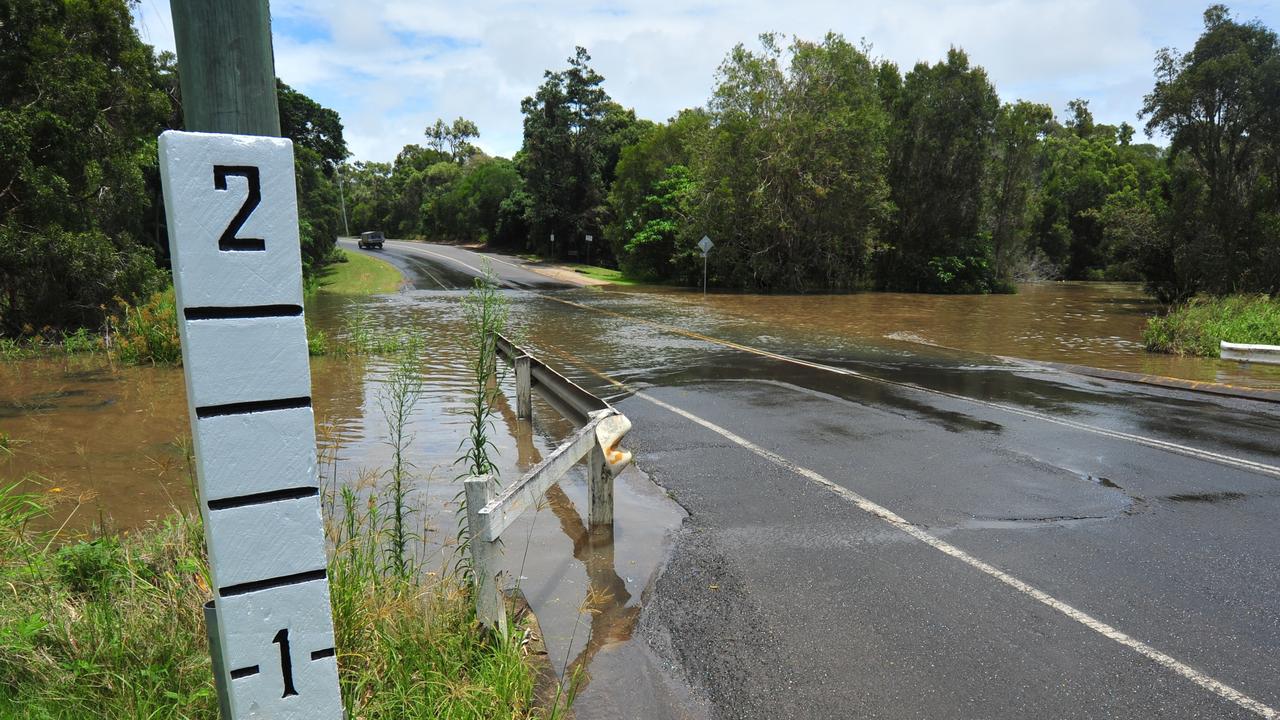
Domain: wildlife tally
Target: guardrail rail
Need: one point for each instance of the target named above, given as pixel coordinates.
(490, 511)
(1242, 352)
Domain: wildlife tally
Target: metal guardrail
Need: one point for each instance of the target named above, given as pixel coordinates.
(489, 511)
(1267, 354)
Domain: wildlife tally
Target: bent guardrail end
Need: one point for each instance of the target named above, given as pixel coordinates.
(609, 434)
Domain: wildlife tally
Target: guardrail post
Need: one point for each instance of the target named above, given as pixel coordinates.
(484, 558)
(599, 488)
(524, 387)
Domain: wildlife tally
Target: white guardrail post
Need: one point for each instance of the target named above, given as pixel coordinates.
(524, 387)
(484, 553)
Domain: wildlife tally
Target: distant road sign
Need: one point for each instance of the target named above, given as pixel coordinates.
(705, 244)
(589, 238)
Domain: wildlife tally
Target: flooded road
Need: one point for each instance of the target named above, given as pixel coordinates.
(901, 393)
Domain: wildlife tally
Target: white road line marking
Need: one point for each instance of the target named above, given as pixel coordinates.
(1204, 681)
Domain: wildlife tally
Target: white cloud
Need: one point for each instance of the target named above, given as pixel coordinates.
(390, 67)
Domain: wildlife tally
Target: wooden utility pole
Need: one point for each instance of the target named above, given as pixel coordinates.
(226, 66)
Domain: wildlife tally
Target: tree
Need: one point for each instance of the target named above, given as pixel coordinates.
(318, 149)
(80, 108)
(1219, 104)
(793, 175)
(643, 198)
(453, 139)
(1011, 179)
(572, 135)
(311, 125)
(944, 118)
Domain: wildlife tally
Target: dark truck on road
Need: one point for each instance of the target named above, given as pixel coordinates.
(371, 239)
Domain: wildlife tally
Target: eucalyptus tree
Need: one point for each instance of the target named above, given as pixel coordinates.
(943, 124)
(792, 174)
(1219, 105)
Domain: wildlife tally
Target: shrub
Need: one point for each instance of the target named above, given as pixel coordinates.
(148, 333)
(1197, 327)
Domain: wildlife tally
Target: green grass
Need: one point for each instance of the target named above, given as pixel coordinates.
(1197, 327)
(113, 627)
(360, 274)
(602, 273)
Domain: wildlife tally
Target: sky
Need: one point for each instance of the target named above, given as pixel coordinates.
(392, 67)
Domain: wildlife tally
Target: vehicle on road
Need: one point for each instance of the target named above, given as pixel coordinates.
(371, 239)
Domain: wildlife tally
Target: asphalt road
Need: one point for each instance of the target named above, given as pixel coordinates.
(890, 536)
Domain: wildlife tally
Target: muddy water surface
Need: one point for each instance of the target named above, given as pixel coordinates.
(108, 446)
(1093, 324)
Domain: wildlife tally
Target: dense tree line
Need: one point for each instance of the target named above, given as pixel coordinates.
(82, 101)
(816, 166)
(813, 165)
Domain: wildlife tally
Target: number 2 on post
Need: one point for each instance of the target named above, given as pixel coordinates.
(229, 241)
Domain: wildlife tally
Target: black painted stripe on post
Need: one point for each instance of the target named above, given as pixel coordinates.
(233, 313)
(282, 581)
(263, 497)
(254, 406)
(321, 654)
(244, 672)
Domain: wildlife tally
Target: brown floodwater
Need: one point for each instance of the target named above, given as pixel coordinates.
(1081, 323)
(107, 446)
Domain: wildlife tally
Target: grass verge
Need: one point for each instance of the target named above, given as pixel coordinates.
(360, 274)
(1197, 327)
(113, 627)
(602, 273)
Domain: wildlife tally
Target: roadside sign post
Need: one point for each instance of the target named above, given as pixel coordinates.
(237, 271)
(589, 239)
(705, 246)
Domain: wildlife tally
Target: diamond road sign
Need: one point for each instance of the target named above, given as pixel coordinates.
(705, 244)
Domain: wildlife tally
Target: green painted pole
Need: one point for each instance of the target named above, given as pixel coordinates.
(226, 66)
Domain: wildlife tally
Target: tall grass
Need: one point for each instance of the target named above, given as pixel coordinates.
(400, 392)
(113, 627)
(1197, 327)
(147, 334)
(485, 312)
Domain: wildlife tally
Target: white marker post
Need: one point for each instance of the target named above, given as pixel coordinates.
(237, 270)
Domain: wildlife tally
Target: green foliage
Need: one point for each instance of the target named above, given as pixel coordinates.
(1197, 327)
(114, 628)
(944, 118)
(148, 333)
(1218, 104)
(79, 114)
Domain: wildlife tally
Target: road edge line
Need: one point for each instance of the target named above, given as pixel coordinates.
(1110, 632)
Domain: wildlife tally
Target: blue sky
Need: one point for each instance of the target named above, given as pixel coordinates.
(391, 67)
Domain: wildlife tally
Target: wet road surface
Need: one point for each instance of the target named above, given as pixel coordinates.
(876, 531)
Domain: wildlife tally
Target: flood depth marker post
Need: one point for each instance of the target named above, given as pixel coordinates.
(237, 270)
(233, 238)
